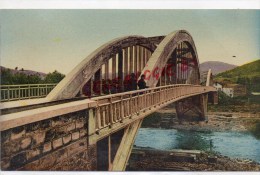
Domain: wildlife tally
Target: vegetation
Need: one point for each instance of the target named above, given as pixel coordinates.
(247, 74)
(9, 78)
(249, 103)
(54, 77)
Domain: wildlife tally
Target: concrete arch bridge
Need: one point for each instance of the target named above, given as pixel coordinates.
(89, 121)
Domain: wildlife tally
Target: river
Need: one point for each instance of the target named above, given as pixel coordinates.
(232, 144)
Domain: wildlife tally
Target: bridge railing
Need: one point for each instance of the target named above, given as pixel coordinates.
(27, 91)
(113, 109)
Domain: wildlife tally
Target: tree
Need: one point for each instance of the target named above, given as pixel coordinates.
(6, 77)
(54, 77)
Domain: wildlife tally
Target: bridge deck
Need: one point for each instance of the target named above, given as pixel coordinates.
(111, 112)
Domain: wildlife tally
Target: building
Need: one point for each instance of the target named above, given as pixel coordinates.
(228, 91)
(218, 86)
(238, 89)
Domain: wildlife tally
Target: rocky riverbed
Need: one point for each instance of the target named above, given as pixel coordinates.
(217, 121)
(145, 159)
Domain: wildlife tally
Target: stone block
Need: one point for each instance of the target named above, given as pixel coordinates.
(57, 143)
(38, 137)
(57, 122)
(71, 126)
(17, 132)
(50, 135)
(26, 142)
(47, 147)
(75, 135)
(65, 129)
(80, 124)
(66, 139)
(82, 132)
(61, 130)
(32, 153)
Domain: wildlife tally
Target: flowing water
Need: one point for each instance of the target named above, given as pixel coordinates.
(231, 144)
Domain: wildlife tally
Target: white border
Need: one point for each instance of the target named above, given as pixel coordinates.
(130, 4)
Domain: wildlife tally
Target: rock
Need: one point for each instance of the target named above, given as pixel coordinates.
(212, 159)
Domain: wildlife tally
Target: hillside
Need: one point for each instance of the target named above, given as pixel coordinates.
(249, 70)
(247, 74)
(216, 66)
(26, 72)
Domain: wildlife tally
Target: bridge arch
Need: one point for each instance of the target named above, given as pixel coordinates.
(144, 55)
(179, 46)
(91, 66)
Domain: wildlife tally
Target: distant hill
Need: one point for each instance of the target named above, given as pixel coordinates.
(249, 70)
(247, 74)
(216, 66)
(26, 72)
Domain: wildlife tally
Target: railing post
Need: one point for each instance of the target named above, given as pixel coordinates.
(122, 111)
(92, 127)
(98, 119)
(111, 111)
(8, 94)
(131, 106)
(29, 89)
(46, 89)
(19, 93)
(38, 91)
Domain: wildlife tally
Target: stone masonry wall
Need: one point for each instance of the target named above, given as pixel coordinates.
(59, 143)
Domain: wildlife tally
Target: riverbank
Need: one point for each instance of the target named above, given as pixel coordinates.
(147, 159)
(217, 121)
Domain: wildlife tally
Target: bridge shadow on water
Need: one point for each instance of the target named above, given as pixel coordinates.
(193, 141)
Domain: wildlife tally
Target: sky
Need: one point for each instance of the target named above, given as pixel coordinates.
(48, 40)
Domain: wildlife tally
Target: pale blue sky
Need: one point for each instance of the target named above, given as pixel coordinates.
(48, 40)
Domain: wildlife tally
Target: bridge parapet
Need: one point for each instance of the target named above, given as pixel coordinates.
(114, 112)
(48, 138)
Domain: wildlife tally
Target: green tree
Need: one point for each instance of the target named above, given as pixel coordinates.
(6, 77)
(54, 77)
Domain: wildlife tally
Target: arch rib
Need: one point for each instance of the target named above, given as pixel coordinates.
(163, 52)
(71, 84)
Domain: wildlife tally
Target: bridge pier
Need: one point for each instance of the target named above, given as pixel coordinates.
(194, 108)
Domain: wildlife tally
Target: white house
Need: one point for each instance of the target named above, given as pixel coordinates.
(218, 86)
(228, 91)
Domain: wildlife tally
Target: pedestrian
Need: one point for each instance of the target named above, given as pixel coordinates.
(132, 85)
(142, 83)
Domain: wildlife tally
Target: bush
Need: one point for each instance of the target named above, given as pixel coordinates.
(54, 77)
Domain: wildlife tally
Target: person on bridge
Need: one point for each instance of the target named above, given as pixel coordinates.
(142, 83)
(132, 85)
